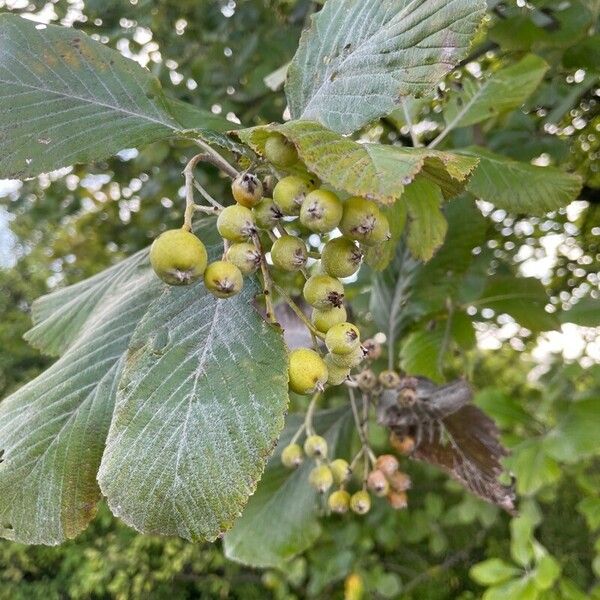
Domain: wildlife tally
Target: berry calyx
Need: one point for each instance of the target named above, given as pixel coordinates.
(337, 374)
(267, 214)
(223, 279)
(343, 338)
(339, 502)
(378, 483)
(387, 463)
(236, 223)
(341, 257)
(324, 320)
(315, 446)
(247, 189)
(321, 478)
(289, 253)
(321, 211)
(323, 292)
(289, 194)
(279, 151)
(307, 371)
(360, 502)
(359, 219)
(178, 257)
(292, 456)
(340, 470)
(400, 482)
(389, 379)
(397, 500)
(245, 256)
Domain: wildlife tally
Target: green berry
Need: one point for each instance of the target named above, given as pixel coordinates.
(315, 446)
(307, 371)
(223, 279)
(324, 320)
(381, 232)
(378, 483)
(360, 502)
(339, 502)
(360, 219)
(247, 189)
(337, 374)
(341, 257)
(342, 338)
(340, 470)
(292, 456)
(236, 223)
(321, 211)
(267, 214)
(178, 257)
(321, 478)
(323, 292)
(279, 151)
(245, 256)
(348, 360)
(289, 253)
(289, 194)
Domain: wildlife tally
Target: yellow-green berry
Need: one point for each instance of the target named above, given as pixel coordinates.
(223, 279)
(307, 371)
(342, 338)
(289, 194)
(359, 219)
(323, 292)
(348, 360)
(245, 256)
(315, 446)
(341, 257)
(236, 223)
(267, 214)
(340, 470)
(321, 211)
(321, 478)
(279, 151)
(381, 232)
(289, 253)
(339, 502)
(337, 374)
(324, 320)
(360, 502)
(292, 456)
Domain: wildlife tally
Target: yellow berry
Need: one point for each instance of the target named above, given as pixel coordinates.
(341, 257)
(289, 253)
(244, 256)
(342, 338)
(360, 502)
(279, 151)
(307, 371)
(339, 502)
(340, 470)
(292, 456)
(223, 279)
(325, 319)
(315, 446)
(321, 478)
(236, 223)
(321, 211)
(323, 292)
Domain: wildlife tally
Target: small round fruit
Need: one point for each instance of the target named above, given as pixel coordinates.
(178, 257)
(289, 194)
(289, 253)
(387, 464)
(372, 348)
(339, 502)
(245, 256)
(337, 374)
(315, 446)
(324, 320)
(381, 232)
(321, 478)
(366, 380)
(359, 219)
(323, 292)
(398, 500)
(292, 456)
(247, 189)
(360, 502)
(400, 482)
(267, 214)
(389, 379)
(307, 371)
(236, 223)
(321, 211)
(348, 360)
(279, 151)
(223, 279)
(340, 470)
(405, 444)
(341, 257)
(342, 338)
(377, 483)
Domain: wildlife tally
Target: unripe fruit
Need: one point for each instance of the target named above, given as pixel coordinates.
(236, 223)
(398, 500)
(381, 232)
(377, 483)
(321, 211)
(389, 379)
(289, 253)
(339, 502)
(292, 456)
(343, 338)
(340, 470)
(247, 189)
(366, 380)
(307, 371)
(178, 257)
(336, 374)
(341, 257)
(244, 256)
(348, 360)
(360, 502)
(223, 279)
(315, 446)
(267, 214)
(359, 219)
(323, 292)
(372, 349)
(404, 445)
(387, 463)
(289, 194)
(321, 478)
(324, 320)
(279, 151)
(400, 482)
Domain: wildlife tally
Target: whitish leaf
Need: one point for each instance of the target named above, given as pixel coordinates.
(376, 171)
(360, 56)
(285, 498)
(200, 405)
(520, 187)
(503, 91)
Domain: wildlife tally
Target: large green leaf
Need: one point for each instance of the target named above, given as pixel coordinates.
(199, 408)
(360, 56)
(520, 187)
(65, 98)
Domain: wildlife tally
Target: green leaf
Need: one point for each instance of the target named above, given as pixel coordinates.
(522, 543)
(523, 588)
(584, 55)
(419, 354)
(504, 91)
(285, 498)
(376, 171)
(590, 508)
(533, 467)
(506, 410)
(360, 56)
(493, 571)
(199, 408)
(546, 572)
(65, 99)
(520, 187)
(585, 313)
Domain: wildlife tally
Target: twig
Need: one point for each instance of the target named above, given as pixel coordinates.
(267, 281)
(214, 158)
(360, 426)
(207, 196)
(313, 330)
(308, 425)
